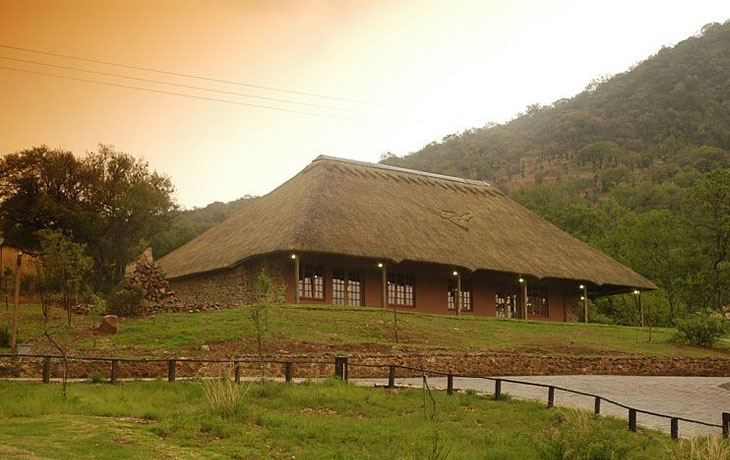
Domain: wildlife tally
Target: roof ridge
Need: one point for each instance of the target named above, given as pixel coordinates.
(404, 170)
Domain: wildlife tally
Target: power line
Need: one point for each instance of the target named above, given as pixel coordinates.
(160, 82)
(192, 96)
(199, 77)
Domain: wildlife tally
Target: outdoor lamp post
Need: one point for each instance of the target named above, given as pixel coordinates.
(296, 278)
(637, 296)
(384, 290)
(523, 297)
(457, 293)
(584, 298)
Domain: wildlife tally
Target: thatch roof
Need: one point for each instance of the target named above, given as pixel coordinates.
(369, 210)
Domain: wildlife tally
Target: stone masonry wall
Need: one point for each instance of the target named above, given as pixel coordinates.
(229, 287)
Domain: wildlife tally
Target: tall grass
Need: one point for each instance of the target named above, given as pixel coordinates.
(707, 448)
(224, 395)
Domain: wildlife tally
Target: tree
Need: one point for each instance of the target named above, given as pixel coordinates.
(107, 200)
(709, 216)
(64, 266)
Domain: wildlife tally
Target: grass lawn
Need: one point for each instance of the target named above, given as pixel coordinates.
(144, 420)
(309, 328)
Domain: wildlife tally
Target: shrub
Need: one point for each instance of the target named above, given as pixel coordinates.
(5, 335)
(224, 395)
(125, 302)
(702, 328)
(96, 377)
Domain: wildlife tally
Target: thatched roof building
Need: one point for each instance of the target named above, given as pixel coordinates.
(400, 217)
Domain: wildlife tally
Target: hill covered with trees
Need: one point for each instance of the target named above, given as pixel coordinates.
(636, 165)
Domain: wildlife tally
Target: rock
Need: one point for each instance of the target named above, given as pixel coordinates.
(205, 347)
(109, 324)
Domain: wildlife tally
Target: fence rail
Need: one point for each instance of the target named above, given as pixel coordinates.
(341, 370)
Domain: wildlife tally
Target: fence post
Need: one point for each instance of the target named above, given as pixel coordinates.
(551, 396)
(236, 372)
(170, 370)
(497, 389)
(115, 365)
(341, 367)
(632, 420)
(449, 384)
(391, 376)
(674, 427)
(726, 425)
(46, 370)
(597, 406)
(288, 367)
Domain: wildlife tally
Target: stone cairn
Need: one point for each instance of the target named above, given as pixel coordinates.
(157, 295)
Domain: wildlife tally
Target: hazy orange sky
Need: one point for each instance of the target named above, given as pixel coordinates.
(425, 68)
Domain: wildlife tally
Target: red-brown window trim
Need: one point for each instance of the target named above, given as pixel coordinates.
(405, 297)
(316, 272)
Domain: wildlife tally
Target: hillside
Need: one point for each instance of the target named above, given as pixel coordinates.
(189, 223)
(636, 165)
(665, 116)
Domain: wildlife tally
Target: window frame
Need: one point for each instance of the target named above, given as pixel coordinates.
(467, 304)
(401, 290)
(346, 279)
(317, 273)
(540, 293)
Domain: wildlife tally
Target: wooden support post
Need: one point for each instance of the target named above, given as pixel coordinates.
(497, 389)
(288, 372)
(384, 293)
(674, 428)
(551, 396)
(115, 372)
(523, 298)
(391, 376)
(296, 278)
(597, 406)
(457, 299)
(585, 303)
(449, 384)
(632, 420)
(237, 372)
(341, 367)
(171, 370)
(46, 370)
(726, 425)
(14, 332)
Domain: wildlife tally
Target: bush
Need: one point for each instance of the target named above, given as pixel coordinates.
(224, 395)
(5, 335)
(702, 328)
(96, 377)
(125, 302)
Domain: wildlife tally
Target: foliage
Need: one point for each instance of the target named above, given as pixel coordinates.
(65, 265)
(637, 165)
(107, 200)
(189, 223)
(703, 329)
(125, 302)
(96, 378)
(5, 335)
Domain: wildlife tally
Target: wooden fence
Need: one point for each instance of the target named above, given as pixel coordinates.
(341, 370)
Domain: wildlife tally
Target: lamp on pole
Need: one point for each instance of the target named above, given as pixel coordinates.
(296, 278)
(584, 298)
(457, 293)
(637, 295)
(523, 297)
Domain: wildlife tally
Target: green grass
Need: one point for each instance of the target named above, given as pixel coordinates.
(308, 328)
(142, 420)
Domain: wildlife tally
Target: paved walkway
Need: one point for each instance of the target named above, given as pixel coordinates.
(699, 398)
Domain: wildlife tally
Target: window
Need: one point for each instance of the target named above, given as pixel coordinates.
(311, 282)
(346, 288)
(401, 290)
(466, 297)
(506, 305)
(537, 302)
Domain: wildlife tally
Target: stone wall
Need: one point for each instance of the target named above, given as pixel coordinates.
(229, 287)
(323, 366)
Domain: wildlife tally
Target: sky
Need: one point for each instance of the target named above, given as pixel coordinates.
(370, 76)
